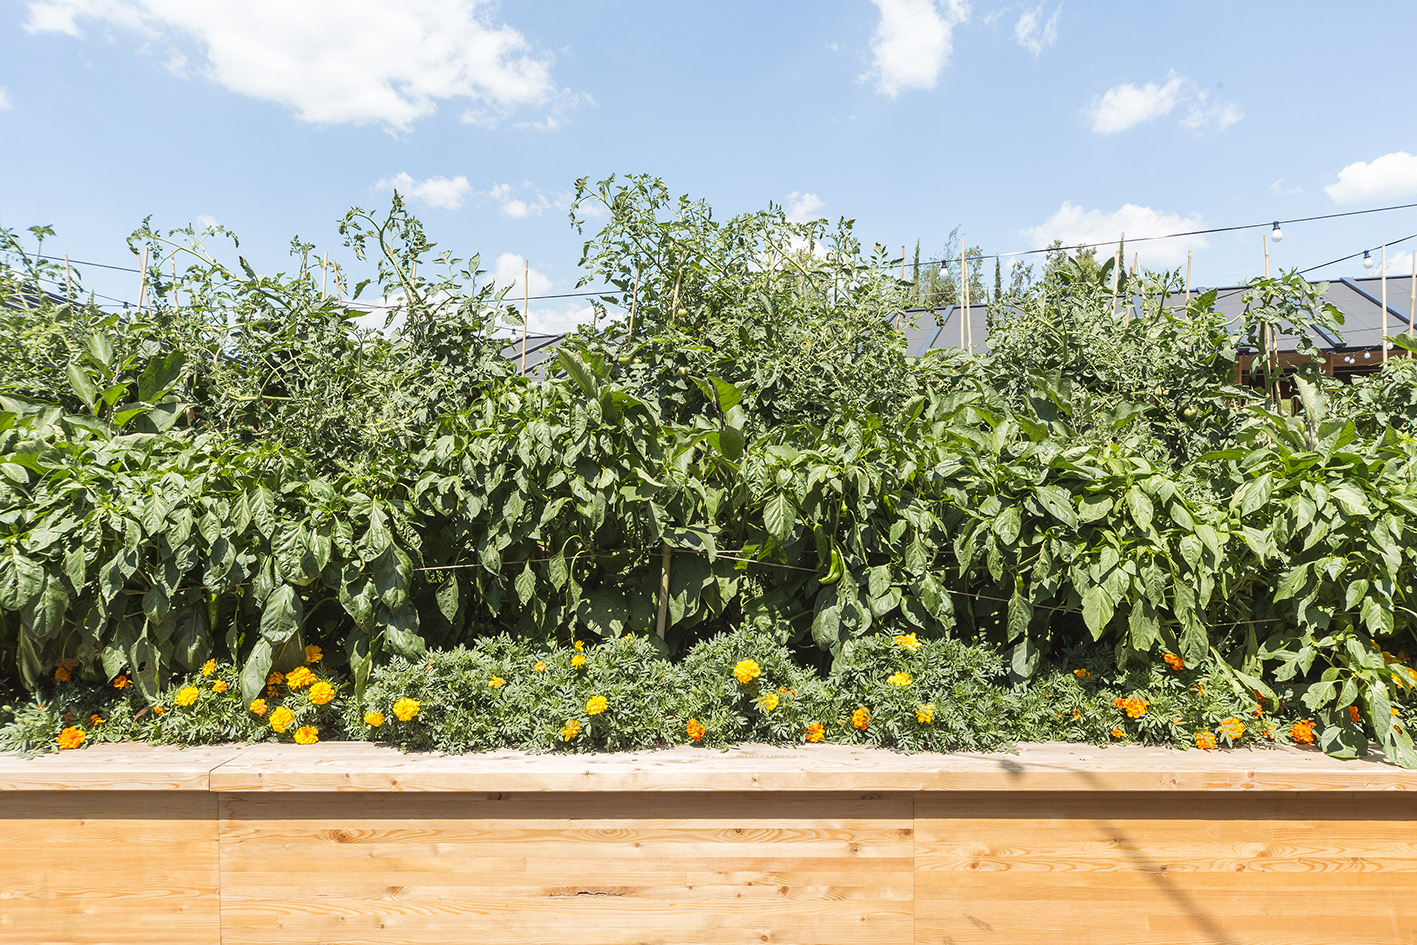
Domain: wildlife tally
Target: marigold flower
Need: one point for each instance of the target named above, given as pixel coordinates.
(1082, 674)
(1302, 732)
(208, 667)
(596, 705)
(906, 641)
(1353, 714)
(299, 677)
(1257, 711)
(159, 710)
(281, 719)
(1175, 662)
(219, 686)
(187, 695)
(258, 706)
(313, 654)
(275, 678)
(1232, 728)
(925, 714)
(321, 693)
(120, 682)
(540, 667)
(71, 737)
(62, 673)
(746, 671)
(496, 682)
(1117, 732)
(1077, 713)
(814, 732)
(579, 645)
(570, 730)
(95, 719)
(405, 709)
(768, 701)
(1134, 706)
(861, 718)
(695, 730)
(307, 735)
(1394, 711)
(899, 679)
(1205, 741)
(374, 718)
(272, 692)
(578, 661)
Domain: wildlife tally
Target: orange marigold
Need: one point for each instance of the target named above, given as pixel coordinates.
(746, 671)
(861, 718)
(219, 686)
(1134, 706)
(405, 709)
(1174, 662)
(1117, 733)
(1353, 714)
(374, 719)
(208, 667)
(258, 706)
(540, 667)
(1082, 674)
(299, 677)
(814, 732)
(307, 735)
(1232, 728)
(1302, 732)
(71, 737)
(62, 673)
(695, 730)
(95, 719)
(120, 682)
(187, 695)
(321, 693)
(159, 710)
(570, 730)
(281, 719)
(313, 654)
(1205, 741)
(596, 705)
(275, 678)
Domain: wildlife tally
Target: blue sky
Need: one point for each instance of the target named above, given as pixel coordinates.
(1017, 123)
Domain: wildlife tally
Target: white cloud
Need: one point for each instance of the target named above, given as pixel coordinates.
(547, 316)
(801, 207)
(336, 60)
(445, 193)
(4, 99)
(1126, 106)
(1074, 225)
(912, 43)
(1278, 188)
(532, 203)
(1033, 36)
(1398, 264)
(1392, 175)
(204, 221)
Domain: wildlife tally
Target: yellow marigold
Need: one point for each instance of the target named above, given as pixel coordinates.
(95, 719)
(281, 719)
(695, 730)
(1232, 728)
(1205, 741)
(208, 667)
(925, 714)
(219, 686)
(814, 732)
(906, 641)
(1082, 674)
(187, 695)
(1394, 711)
(579, 645)
(1302, 732)
(768, 701)
(299, 677)
(62, 673)
(861, 718)
(596, 705)
(746, 671)
(258, 706)
(578, 661)
(275, 678)
(405, 709)
(496, 682)
(899, 679)
(540, 667)
(1353, 714)
(71, 737)
(1117, 732)
(120, 682)
(374, 718)
(313, 654)
(1174, 662)
(307, 735)
(321, 692)
(570, 730)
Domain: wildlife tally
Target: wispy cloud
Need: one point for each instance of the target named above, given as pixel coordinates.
(4, 99)
(1033, 32)
(1384, 178)
(913, 42)
(445, 193)
(1126, 106)
(1278, 188)
(801, 207)
(1075, 225)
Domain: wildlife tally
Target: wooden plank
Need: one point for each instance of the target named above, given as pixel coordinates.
(703, 867)
(79, 867)
(1134, 867)
(115, 767)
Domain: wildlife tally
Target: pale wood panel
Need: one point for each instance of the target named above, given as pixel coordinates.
(606, 868)
(1137, 868)
(111, 867)
(127, 766)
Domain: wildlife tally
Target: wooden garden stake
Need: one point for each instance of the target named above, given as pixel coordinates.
(1188, 277)
(526, 304)
(663, 591)
(1116, 272)
(69, 279)
(324, 274)
(1384, 304)
(1412, 304)
(634, 301)
(143, 281)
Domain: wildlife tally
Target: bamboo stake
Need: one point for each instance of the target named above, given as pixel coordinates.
(663, 592)
(1116, 272)
(674, 305)
(526, 305)
(1384, 305)
(634, 301)
(1188, 277)
(1412, 305)
(324, 274)
(143, 281)
(69, 279)
(174, 283)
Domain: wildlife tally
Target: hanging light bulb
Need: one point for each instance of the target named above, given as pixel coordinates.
(1367, 260)
(1276, 234)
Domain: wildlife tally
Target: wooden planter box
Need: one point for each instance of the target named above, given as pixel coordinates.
(350, 843)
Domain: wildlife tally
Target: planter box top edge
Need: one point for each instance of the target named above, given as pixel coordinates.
(358, 766)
